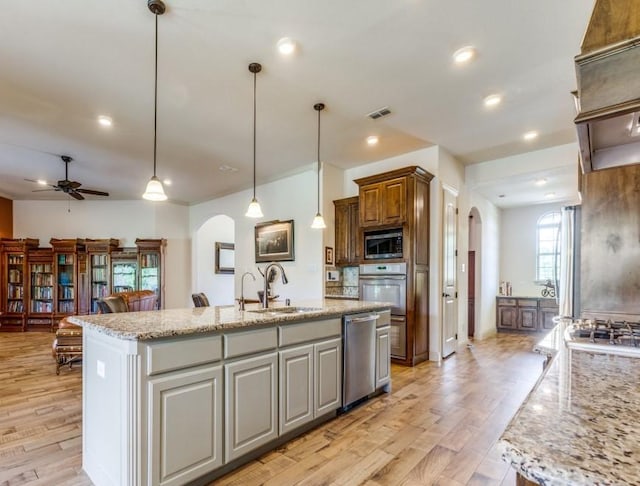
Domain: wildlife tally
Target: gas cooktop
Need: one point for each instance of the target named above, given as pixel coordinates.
(612, 337)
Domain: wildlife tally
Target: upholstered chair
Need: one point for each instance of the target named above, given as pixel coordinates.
(200, 300)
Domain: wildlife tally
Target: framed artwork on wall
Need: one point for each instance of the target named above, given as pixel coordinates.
(225, 254)
(328, 255)
(274, 241)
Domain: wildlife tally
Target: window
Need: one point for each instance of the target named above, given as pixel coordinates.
(548, 251)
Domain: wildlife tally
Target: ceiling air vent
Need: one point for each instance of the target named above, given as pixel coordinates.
(379, 113)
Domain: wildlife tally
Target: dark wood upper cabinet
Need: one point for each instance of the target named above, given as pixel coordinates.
(383, 203)
(347, 224)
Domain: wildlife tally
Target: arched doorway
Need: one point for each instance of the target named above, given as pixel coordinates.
(218, 287)
(474, 271)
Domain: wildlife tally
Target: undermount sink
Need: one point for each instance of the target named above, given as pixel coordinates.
(285, 310)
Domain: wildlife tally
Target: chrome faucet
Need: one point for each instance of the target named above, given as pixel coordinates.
(242, 288)
(265, 295)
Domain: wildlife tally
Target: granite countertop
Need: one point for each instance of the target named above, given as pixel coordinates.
(579, 425)
(175, 322)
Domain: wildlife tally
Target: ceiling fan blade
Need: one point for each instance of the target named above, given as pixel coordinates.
(75, 195)
(91, 191)
(74, 184)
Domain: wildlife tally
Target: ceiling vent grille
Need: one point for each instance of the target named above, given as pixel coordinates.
(379, 113)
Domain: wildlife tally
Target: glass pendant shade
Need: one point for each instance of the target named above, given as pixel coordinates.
(318, 222)
(154, 191)
(254, 210)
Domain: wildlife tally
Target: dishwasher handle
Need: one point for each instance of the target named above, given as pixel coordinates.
(373, 317)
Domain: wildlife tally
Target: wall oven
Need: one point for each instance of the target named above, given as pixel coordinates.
(382, 244)
(387, 282)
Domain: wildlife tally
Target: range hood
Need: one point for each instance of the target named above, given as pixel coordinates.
(608, 78)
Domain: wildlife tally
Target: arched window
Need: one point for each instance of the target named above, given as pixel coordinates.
(548, 250)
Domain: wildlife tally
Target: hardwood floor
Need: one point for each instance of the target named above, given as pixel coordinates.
(439, 426)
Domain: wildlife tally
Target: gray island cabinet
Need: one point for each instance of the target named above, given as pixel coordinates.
(175, 396)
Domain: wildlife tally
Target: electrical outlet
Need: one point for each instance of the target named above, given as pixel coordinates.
(100, 368)
(333, 275)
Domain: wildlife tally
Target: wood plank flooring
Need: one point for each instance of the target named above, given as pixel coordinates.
(439, 426)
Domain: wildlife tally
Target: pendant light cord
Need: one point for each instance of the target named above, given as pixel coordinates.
(155, 103)
(319, 161)
(254, 135)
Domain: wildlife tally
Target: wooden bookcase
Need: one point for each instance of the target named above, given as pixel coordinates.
(13, 291)
(39, 288)
(99, 269)
(70, 276)
(151, 264)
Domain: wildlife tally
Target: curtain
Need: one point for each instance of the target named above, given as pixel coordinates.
(567, 261)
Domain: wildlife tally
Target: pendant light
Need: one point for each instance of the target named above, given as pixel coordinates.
(155, 191)
(254, 210)
(318, 221)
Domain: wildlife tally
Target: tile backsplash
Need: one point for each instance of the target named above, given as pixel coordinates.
(347, 283)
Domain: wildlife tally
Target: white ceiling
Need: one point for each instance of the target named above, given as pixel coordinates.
(63, 63)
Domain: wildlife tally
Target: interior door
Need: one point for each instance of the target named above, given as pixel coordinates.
(449, 280)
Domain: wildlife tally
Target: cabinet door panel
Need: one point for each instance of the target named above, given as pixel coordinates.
(328, 376)
(250, 404)
(394, 201)
(370, 202)
(296, 387)
(182, 450)
(343, 236)
(546, 317)
(383, 356)
(508, 317)
(528, 318)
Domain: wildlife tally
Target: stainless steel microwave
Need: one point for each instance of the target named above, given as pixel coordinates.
(383, 244)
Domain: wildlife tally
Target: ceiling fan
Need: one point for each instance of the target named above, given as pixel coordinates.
(70, 187)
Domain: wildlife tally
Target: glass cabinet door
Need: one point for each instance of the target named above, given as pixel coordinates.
(66, 283)
(150, 272)
(124, 276)
(41, 292)
(99, 279)
(15, 283)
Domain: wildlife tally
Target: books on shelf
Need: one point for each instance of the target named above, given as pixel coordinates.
(42, 293)
(67, 306)
(41, 279)
(15, 306)
(66, 292)
(149, 260)
(97, 260)
(15, 259)
(41, 268)
(66, 259)
(99, 274)
(15, 275)
(41, 306)
(99, 290)
(15, 291)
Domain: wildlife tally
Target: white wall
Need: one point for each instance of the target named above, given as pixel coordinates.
(124, 220)
(219, 287)
(518, 244)
(486, 236)
(285, 199)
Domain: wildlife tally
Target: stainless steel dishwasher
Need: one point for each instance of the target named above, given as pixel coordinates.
(359, 357)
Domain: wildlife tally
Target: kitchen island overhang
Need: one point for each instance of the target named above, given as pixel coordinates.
(166, 393)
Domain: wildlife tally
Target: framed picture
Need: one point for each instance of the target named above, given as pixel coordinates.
(328, 255)
(225, 255)
(274, 241)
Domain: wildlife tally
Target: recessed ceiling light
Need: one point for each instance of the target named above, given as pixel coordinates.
(492, 100)
(549, 195)
(42, 182)
(530, 135)
(541, 182)
(167, 182)
(464, 54)
(500, 195)
(286, 46)
(105, 121)
(372, 139)
(227, 168)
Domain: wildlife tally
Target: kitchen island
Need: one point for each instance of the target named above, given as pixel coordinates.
(183, 395)
(579, 425)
